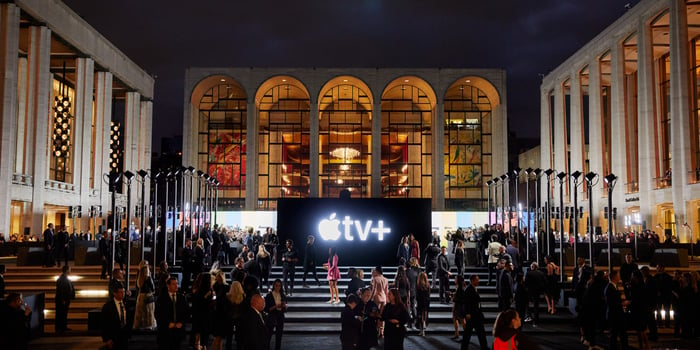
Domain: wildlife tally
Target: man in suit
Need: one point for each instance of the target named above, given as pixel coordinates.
(14, 322)
(616, 315)
(535, 283)
(310, 260)
(171, 313)
(49, 246)
(505, 290)
(115, 329)
(443, 273)
(253, 326)
(187, 266)
(289, 262)
(61, 246)
(105, 250)
(474, 315)
(64, 294)
(432, 251)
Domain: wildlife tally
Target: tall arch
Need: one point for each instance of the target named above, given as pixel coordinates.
(468, 156)
(221, 140)
(345, 137)
(408, 106)
(283, 106)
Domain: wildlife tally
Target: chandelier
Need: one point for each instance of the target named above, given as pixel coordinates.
(61, 123)
(345, 153)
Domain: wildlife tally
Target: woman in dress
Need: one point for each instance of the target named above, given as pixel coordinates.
(144, 317)
(395, 315)
(220, 287)
(202, 296)
(276, 306)
(552, 293)
(333, 275)
(198, 261)
(380, 288)
(404, 250)
(458, 306)
(459, 257)
(422, 300)
(236, 296)
(264, 260)
(401, 283)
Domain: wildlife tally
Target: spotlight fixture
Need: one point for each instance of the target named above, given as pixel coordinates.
(576, 174)
(610, 179)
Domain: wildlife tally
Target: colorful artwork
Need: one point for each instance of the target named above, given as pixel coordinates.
(227, 157)
(463, 176)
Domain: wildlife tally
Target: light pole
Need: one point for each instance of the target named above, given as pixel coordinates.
(528, 171)
(183, 196)
(516, 179)
(574, 176)
(488, 199)
(143, 174)
(200, 176)
(206, 197)
(216, 201)
(504, 182)
(495, 197)
(176, 173)
(129, 177)
(610, 180)
(114, 179)
(538, 177)
(562, 179)
(193, 172)
(591, 232)
(156, 178)
(548, 204)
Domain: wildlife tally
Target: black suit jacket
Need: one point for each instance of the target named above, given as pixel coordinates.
(111, 325)
(443, 265)
(164, 311)
(257, 335)
(49, 238)
(506, 286)
(472, 304)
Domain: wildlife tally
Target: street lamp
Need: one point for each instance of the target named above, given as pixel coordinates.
(574, 176)
(156, 178)
(538, 176)
(129, 176)
(589, 184)
(143, 174)
(495, 197)
(528, 171)
(192, 172)
(562, 179)
(200, 176)
(504, 182)
(488, 199)
(175, 172)
(610, 180)
(516, 178)
(216, 203)
(114, 179)
(548, 205)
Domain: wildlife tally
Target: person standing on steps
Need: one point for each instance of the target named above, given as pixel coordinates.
(289, 262)
(310, 260)
(333, 275)
(65, 292)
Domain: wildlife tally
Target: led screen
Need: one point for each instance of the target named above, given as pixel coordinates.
(366, 232)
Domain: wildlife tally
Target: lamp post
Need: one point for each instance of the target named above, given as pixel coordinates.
(168, 178)
(156, 178)
(504, 182)
(610, 180)
(528, 171)
(538, 177)
(200, 175)
(176, 173)
(548, 204)
(562, 179)
(143, 174)
(193, 172)
(495, 197)
(216, 202)
(589, 183)
(516, 179)
(183, 196)
(574, 176)
(206, 196)
(488, 199)
(129, 177)
(113, 179)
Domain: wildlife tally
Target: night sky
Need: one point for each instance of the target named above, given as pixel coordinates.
(527, 38)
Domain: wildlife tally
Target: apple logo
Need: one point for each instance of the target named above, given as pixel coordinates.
(328, 228)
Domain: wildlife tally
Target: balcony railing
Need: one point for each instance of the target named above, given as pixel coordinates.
(59, 186)
(22, 179)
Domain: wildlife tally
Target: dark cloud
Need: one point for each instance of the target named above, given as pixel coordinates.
(524, 37)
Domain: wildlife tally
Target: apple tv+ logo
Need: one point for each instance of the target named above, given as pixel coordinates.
(328, 229)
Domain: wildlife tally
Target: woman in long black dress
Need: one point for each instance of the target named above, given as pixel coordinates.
(552, 293)
(202, 296)
(458, 306)
(423, 300)
(459, 257)
(401, 283)
(395, 315)
(265, 261)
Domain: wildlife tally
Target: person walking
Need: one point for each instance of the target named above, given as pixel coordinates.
(616, 314)
(380, 289)
(422, 301)
(276, 306)
(115, 331)
(459, 306)
(493, 250)
(350, 324)
(333, 275)
(443, 271)
(395, 315)
(265, 261)
(310, 260)
(65, 292)
(459, 257)
(474, 315)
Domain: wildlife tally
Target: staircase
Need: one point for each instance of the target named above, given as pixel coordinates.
(307, 312)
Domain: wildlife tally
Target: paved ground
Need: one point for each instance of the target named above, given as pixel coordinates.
(547, 338)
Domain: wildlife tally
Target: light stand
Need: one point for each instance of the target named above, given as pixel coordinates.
(143, 174)
(216, 208)
(113, 179)
(574, 176)
(192, 172)
(548, 204)
(488, 199)
(591, 232)
(516, 179)
(154, 207)
(504, 183)
(562, 179)
(538, 177)
(495, 197)
(176, 173)
(528, 171)
(200, 176)
(129, 177)
(610, 180)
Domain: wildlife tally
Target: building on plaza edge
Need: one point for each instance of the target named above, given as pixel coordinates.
(74, 108)
(268, 133)
(627, 103)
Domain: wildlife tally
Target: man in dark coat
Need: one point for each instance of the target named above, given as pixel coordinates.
(443, 273)
(61, 246)
(474, 315)
(105, 249)
(289, 262)
(535, 284)
(431, 253)
(49, 246)
(171, 313)
(615, 313)
(115, 329)
(187, 265)
(257, 335)
(14, 322)
(505, 290)
(64, 294)
(350, 324)
(310, 260)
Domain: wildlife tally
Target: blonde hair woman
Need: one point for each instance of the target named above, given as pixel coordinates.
(144, 316)
(265, 261)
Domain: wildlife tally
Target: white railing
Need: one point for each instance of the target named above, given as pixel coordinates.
(22, 179)
(59, 186)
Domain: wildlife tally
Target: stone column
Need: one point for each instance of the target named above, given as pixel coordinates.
(103, 118)
(39, 94)
(559, 131)
(546, 161)
(146, 147)
(22, 120)
(595, 137)
(314, 185)
(618, 130)
(577, 141)
(82, 135)
(251, 170)
(645, 115)
(438, 157)
(9, 46)
(376, 158)
(680, 110)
